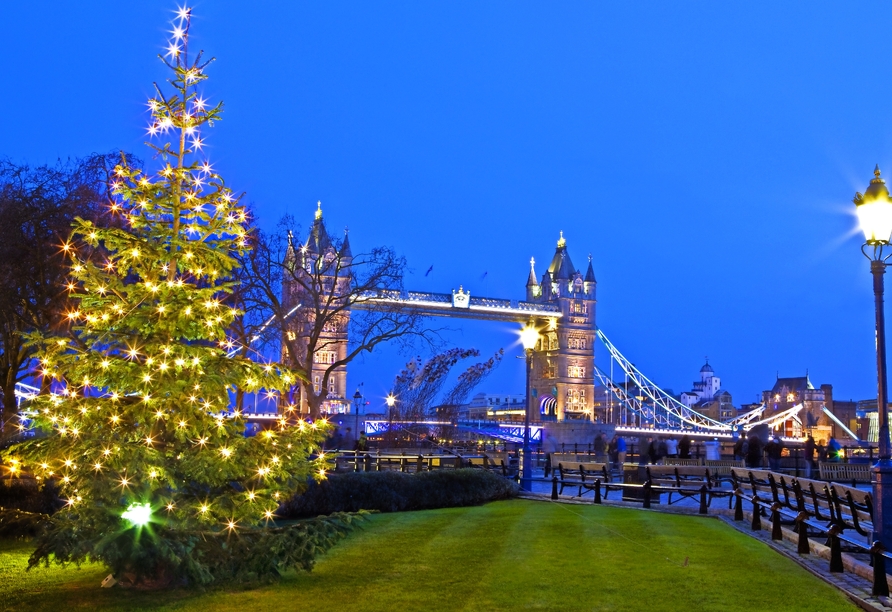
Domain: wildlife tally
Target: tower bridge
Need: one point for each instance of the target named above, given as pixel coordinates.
(561, 303)
(460, 304)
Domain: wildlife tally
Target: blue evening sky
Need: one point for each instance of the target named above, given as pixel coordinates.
(704, 153)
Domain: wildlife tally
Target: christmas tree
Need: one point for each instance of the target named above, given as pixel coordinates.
(158, 478)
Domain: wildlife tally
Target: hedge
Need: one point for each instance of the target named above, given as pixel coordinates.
(396, 491)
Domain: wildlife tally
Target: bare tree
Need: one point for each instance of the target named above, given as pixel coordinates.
(317, 301)
(37, 208)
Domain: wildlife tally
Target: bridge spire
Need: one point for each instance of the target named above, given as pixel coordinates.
(562, 242)
(590, 273)
(531, 280)
(319, 209)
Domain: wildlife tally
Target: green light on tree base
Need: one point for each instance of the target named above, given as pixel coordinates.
(138, 514)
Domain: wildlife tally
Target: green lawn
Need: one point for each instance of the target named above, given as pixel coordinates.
(502, 556)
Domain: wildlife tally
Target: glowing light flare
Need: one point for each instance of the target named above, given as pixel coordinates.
(875, 220)
(138, 514)
(529, 336)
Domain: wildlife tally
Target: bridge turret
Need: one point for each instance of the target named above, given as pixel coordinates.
(533, 288)
(562, 378)
(589, 280)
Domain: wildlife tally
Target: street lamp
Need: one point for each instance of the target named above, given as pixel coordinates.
(874, 210)
(357, 401)
(529, 335)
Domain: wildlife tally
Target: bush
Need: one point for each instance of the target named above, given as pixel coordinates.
(30, 495)
(395, 491)
(18, 524)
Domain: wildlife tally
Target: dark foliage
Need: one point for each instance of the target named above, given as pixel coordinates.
(395, 491)
(179, 557)
(29, 496)
(18, 524)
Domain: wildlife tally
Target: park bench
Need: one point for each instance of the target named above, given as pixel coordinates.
(572, 458)
(851, 508)
(573, 474)
(687, 481)
(677, 461)
(488, 462)
(844, 472)
(721, 468)
(435, 462)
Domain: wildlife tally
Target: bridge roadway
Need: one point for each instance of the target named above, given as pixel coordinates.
(460, 304)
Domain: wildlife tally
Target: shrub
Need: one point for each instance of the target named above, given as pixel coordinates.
(395, 491)
(18, 524)
(30, 495)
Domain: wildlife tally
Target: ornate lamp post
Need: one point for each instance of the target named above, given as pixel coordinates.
(529, 335)
(874, 209)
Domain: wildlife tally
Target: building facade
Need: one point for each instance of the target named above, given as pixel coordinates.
(563, 378)
(317, 273)
(708, 398)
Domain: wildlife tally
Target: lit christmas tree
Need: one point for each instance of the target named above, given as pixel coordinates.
(158, 476)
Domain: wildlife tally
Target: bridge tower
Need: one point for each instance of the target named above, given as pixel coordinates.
(317, 272)
(563, 381)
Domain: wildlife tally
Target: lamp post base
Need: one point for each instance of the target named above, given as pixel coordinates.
(881, 479)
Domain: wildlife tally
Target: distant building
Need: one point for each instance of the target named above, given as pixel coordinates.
(820, 414)
(708, 398)
(494, 406)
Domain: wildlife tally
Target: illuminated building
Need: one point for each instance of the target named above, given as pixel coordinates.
(564, 359)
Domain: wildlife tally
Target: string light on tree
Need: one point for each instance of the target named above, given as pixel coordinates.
(140, 376)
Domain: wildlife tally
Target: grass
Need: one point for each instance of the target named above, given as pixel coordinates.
(501, 556)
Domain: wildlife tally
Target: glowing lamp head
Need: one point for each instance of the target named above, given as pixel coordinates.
(874, 210)
(391, 400)
(529, 335)
(138, 514)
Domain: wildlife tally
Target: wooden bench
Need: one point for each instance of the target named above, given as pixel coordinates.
(577, 474)
(573, 458)
(435, 462)
(686, 481)
(486, 462)
(677, 461)
(721, 468)
(844, 472)
(852, 509)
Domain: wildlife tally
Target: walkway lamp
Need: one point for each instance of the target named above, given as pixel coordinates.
(529, 336)
(874, 210)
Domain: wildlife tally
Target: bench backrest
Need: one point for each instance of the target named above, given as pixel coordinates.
(844, 472)
(691, 470)
(661, 471)
(571, 458)
(860, 496)
(581, 468)
(677, 461)
(729, 463)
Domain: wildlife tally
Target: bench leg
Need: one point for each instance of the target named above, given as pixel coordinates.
(738, 505)
(776, 533)
(880, 585)
(835, 550)
(757, 515)
(597, 491)
(802, 546)
(703, 503)
(554, 490)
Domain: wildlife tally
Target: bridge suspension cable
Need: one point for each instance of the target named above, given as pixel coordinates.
(664, 409)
